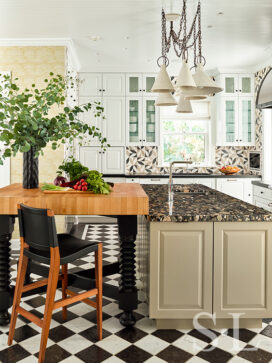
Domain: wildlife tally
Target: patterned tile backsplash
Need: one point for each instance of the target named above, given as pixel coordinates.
(144, 159)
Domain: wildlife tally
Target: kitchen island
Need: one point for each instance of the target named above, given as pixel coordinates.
(125, 202)
(218, 262)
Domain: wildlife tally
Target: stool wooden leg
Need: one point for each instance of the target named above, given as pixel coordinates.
(64, 287)
(99, 282)
(22, 266)
(50, 298)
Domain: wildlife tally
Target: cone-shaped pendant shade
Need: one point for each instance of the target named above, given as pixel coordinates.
(196, 94)
(205, 82)
(165, 99)
(184, 106)
(185, 78)
(162, 82)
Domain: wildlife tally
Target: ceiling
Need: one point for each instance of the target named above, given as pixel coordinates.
(129, 31)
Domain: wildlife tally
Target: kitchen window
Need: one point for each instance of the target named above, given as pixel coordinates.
(186, 137)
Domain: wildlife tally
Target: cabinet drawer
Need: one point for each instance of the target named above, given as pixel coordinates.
(262, 192)
(263, 203)
(132, 180)
(154, 181)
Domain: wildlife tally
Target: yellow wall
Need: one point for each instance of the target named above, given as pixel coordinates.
(32, 65)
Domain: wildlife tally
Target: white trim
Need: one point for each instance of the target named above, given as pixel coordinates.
(28, 42)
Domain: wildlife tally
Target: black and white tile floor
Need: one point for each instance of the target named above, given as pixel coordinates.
(75, 340)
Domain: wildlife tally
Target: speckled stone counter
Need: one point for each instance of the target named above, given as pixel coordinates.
(208, 206)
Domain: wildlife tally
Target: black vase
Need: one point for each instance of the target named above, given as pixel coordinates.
(30, 170)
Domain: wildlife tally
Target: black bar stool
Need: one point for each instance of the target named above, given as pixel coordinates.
(40, 242)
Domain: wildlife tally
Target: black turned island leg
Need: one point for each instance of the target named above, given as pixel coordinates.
(128, 299)
(6, 229)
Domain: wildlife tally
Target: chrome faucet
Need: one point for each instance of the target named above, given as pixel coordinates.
(170, 183)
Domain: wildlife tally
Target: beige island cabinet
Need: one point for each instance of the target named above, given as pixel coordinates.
(209, 269)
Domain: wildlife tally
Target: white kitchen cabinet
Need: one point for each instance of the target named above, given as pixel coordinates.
(154, 180)
(238, 121)
(240, 188)
(232, 187)
(90, 84)
(235, 110)
(143, 121)
(114, 123)
(262, 197)
(139, 84)
(110, 161)
(114, 84)
(133, 180)
(237, 84)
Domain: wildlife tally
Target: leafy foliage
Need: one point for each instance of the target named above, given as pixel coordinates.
(96, 183)
(73, 168)
(26, 121)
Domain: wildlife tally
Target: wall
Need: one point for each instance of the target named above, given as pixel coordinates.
(144, 159)
(32, 65)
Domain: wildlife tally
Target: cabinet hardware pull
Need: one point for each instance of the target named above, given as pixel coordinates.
(143, 90)
(155, 179)
(140, 90)
(231, 180)
(261, 192)
(143, 140)
(236, 90)
(100, 90)
(240, 90)
(240, 139)
(236, 140)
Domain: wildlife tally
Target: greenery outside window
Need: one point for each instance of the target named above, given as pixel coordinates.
(185, 138)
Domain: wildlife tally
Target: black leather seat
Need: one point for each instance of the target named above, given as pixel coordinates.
(71, 248)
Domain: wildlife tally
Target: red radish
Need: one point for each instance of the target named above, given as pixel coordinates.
(75, 187)
(79, 188)
(82, 180)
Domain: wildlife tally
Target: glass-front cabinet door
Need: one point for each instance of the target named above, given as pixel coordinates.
(246, 120)
(134, 117)
(246, 85)
(150, 121)
(229, 83)
(134, 84)
(230, 120)
(148, 81)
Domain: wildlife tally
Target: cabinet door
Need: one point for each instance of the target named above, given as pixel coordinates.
(246, 121)
(230, 120)
(150, 121)
(232, 187)
(89, 117)
(114, 84)
(243, 269)
(134, 117)
(246, 85)
(183, 180)
(91, 157)
(248, 191)
(148, 81)
(209, 182)
(180, 269)
(230, 84)
(90, 84)
(134, 84)
(113, 160)
(114, 123)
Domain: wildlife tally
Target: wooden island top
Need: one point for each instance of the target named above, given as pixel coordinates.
(125, 199)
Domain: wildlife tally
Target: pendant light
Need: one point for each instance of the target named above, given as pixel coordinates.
(204, 82)
(185, 79)
(166, 99)
(162, 82)
(184, 105)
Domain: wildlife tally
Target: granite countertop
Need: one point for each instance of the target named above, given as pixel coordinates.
(182, 175)
(209, 206)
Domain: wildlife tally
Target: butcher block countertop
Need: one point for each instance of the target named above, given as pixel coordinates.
(208, 206)
(125, 199)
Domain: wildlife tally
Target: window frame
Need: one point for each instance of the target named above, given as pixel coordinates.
(208, 137)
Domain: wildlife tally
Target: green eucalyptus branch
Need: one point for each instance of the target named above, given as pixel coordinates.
(25, 119)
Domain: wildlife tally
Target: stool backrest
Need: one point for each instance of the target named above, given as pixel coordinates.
(37, 227)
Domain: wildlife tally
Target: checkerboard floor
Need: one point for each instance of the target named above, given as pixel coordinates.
(75, 340)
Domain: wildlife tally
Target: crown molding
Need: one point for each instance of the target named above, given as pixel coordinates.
(36, 42)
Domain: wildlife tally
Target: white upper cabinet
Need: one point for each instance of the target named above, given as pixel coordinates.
(98, 84)
(237, 84)
(114, 84)
(139, 84)
(114, 123)
(235, 113)
(90, 84)
(143, 121)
